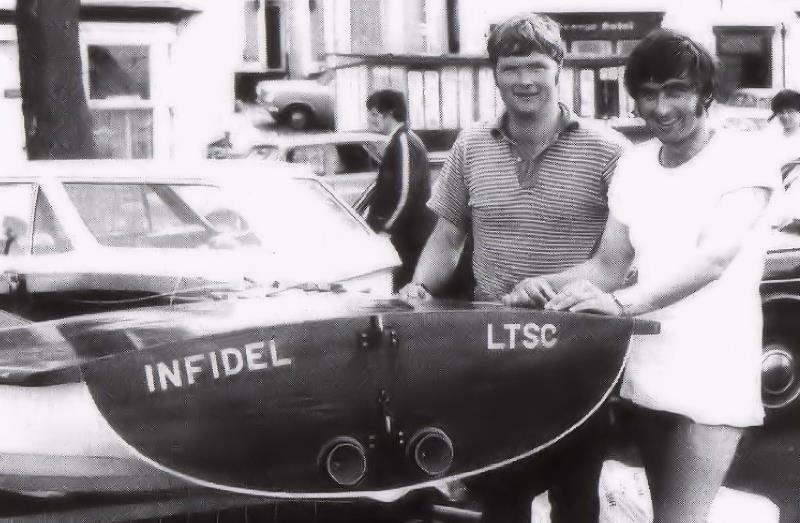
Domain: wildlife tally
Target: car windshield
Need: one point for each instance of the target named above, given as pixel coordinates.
(287, 213)
(185, 216)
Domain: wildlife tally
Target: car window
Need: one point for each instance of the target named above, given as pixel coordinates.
(48, 235)
(16, 212)
(355, 158)
(344, 158)
(317, 156)
(323, 77)
(138, 215)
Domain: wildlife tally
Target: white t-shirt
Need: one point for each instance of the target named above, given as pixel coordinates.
(706, 363)
(783, 148)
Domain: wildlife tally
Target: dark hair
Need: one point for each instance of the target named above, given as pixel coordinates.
(665, 54)
(785, 99)
(523, 34)
(389, 101)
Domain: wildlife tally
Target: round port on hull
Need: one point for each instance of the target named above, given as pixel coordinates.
(431, 450)
(344, 460)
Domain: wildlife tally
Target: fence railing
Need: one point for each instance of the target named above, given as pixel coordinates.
(452, 91)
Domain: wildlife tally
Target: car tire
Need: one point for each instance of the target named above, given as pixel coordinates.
(298, 118)
(780, 363)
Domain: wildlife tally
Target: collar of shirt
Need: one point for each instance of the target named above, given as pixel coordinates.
(528, 166)
(567, 121)
(395, 130)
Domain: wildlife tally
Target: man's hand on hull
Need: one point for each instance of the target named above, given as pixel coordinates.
(584, 296)
(530, 292)
(414, 292)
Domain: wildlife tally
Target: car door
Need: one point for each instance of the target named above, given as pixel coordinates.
(29, 234)
(349, 167)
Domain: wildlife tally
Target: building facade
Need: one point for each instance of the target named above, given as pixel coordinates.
(162, 76)
(159, 75)
(758, 46)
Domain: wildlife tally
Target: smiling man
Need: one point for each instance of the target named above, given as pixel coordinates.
(531, 190)
(698, 274)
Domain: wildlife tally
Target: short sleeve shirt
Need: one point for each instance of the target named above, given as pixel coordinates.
(706, 362)
(528, 218)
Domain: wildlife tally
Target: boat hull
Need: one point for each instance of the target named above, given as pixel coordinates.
(256, 409)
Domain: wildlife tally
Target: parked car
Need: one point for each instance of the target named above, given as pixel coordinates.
(780, 292)
(77, 234)
(300, 104)
(347, 161)
(745, 110)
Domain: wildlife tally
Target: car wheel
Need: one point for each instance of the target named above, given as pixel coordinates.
(299, 118)
(780, 360)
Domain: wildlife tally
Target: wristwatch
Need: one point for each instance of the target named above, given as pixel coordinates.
(425, 290)
(624, 309)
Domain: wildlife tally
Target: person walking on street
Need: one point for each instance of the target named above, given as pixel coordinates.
(531, 190)
(689, 209)
(785, 106)
(403, 185)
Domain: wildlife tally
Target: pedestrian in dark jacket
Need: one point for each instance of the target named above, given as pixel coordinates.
(398, 206)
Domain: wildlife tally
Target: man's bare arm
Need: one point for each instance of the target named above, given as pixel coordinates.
(606, 269)
(438, 260)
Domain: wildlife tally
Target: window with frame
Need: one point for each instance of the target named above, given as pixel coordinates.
(264, 41)
(273, 24)
(745, 56)
(120, 100)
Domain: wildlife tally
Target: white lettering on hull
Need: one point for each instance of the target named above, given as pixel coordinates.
(513, 336)
(230, 361)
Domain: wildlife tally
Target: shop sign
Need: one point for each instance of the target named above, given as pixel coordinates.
(611, 26)
(734, 43)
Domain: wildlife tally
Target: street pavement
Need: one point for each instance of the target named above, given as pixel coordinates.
(768, 463)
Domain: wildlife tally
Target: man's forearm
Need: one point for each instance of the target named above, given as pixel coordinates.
(605, 274)
(440, 257)
(436, 266)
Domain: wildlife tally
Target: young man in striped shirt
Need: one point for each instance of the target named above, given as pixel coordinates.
(531, 190)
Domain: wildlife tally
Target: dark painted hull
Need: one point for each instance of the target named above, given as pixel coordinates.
(247, 397)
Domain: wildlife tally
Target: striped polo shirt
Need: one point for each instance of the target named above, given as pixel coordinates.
(528, 216)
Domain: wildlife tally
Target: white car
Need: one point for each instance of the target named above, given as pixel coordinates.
(347, 161)
(300, 104)
(76, 234)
